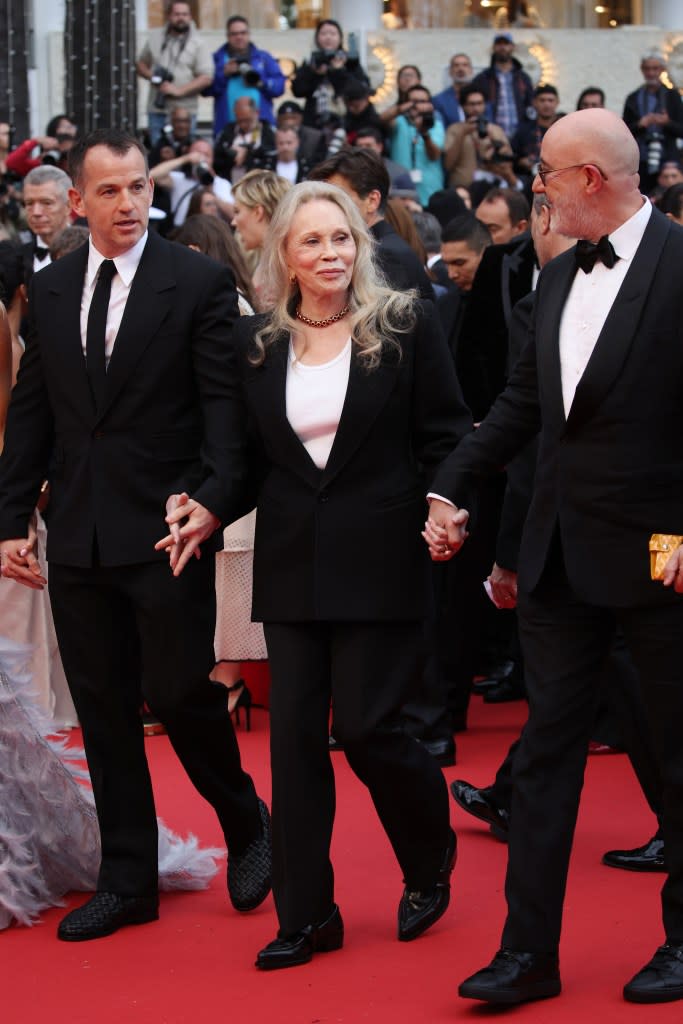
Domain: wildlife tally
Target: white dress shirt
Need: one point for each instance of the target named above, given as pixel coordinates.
(126, 266)
(314, 401)
(38, 264)
(590, 299)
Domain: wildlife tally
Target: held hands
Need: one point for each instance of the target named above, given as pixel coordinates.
(445, 530)
(18, 561)
(184, 540)
(673, 573)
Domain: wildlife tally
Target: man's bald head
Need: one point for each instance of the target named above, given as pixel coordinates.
(589, 161)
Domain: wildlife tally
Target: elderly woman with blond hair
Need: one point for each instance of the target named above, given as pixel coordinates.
(352, 402)
(256, 197)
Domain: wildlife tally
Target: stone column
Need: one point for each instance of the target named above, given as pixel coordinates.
(14, 98)
(99, 60)
(663, 13)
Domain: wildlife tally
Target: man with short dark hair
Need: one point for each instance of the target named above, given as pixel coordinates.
(241, 69)
(372, 137)
(505, 212)
(417, 138)
(477, 149)
(591, 98)
(126, 397)
(177, 64)
(244, 143)
(526, 142)
(507, 88)
(312, 145)
(363, 176)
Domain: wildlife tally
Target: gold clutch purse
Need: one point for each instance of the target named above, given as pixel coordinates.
(662, 546)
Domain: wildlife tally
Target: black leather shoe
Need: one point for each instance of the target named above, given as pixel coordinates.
(495, 674)
(478, 803)
(249, 875)
(104, 914)
(510, 688)
(659, 981)
(442, 750)
(514, 977)
(420, 909)
(298, 948)
(334, 743)
(649, 857)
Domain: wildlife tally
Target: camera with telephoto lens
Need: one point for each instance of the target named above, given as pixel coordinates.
(320, 57)
(427, 121)
(158, 76)
(655, 148)
(203, 173)
(50, 157)
(482, 127)
(250, 76)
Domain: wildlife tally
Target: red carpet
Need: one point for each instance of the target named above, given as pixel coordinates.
(195, 966)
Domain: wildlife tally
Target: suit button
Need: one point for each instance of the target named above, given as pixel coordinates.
(323, 497)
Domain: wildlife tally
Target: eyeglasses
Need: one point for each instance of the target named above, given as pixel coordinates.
(547, 171)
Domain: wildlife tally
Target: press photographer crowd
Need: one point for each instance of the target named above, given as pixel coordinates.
(439, 214)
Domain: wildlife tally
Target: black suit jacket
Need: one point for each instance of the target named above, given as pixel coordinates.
(343, 543)
(400, 264)
(168, 424)
(611, 473)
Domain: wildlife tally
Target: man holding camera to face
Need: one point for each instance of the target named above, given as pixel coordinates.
(242, 70)
(476, 149)
(177, 65)
(417, 139)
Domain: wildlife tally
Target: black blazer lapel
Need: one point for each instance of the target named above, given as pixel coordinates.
(554, 285)
(149, 301)
(616, 337)
(66, 293)
(366, 394)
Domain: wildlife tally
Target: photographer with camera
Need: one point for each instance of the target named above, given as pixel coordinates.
(243, 145)
(416, 142)
(178, 66)
(526, 142)
(176, 138)
(654, 115)
(323, 79)
(52, 148)
(476, 149)
(183, 175)
(240, 69)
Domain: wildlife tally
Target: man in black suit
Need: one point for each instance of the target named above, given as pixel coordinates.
(610, 473)
(361, 174)
(124, 398)
(48, 211)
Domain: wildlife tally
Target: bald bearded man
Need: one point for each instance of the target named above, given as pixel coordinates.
(602, 381)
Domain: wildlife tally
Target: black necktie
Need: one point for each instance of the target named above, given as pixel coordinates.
(40, 252)
(97, 325)
(588, 254)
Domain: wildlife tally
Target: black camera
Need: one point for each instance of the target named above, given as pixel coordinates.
(320, 57)
(482, 127)
(50, 157)
(160, 74)
(203, 173)
(427, 121)
(250, 77)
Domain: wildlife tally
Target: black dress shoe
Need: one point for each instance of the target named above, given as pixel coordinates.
(514, 977)
(249, 875)
(334, 743)
(649, 857)
(498, 672)
(510, 688)
(441, 749)
(299, 947)
(419, 909)
(104, 914)
(479, 803)
(659, 981)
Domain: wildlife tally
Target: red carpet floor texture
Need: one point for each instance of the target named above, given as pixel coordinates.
(195, 965)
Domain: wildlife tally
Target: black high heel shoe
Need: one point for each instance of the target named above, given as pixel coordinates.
(239, 696)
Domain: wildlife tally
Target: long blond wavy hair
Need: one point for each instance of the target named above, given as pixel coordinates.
(377, 312)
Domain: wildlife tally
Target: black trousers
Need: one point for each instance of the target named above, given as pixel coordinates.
(621, 697)
(135, 633)
(566, 643)
(365, 670)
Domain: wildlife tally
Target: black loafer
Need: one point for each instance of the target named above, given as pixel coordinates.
(660, 980)
(104, 913)
(441, 749)
(420, 909)
(649, 857)
(299, 947)
(478, 803)
(515, 977)
(249, 875)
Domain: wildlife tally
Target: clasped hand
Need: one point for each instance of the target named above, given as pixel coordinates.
(185, 537)
(445, 530)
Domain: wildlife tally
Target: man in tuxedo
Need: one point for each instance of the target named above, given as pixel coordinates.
(48, 211)
(125, 397)
(607, 319)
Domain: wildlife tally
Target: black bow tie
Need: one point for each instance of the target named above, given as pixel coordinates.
(588, 254)
(40, 252)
